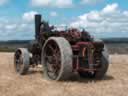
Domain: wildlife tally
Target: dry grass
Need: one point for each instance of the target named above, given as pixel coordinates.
(33, 84)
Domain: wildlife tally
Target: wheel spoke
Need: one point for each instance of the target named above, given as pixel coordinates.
(18, 61)
(53, 60)
(50, 46)
(56, 50)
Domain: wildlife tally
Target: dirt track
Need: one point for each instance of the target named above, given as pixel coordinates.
(33, 84)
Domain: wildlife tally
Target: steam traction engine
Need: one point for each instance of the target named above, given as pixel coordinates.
(62, 53)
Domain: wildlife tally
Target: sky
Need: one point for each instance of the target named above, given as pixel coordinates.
(102, 18)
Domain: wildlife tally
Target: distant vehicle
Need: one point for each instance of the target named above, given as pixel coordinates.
(63, 52)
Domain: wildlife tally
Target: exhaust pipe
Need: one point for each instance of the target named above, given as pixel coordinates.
(37, 26)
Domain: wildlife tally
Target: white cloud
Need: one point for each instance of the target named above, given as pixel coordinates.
(53, 14)
(111, 8)
(29, 16)
(18, 29)
(64, 3)
(41, 2)
(91, 2)
(2, 2)
(12, 30)
(52, 3)
(109, 19)
(10, 26)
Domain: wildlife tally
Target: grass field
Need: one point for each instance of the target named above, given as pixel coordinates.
(33, 84)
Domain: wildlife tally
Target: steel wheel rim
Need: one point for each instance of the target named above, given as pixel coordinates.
(18, 61)
(52, 60)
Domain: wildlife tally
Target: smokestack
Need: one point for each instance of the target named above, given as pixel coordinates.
(37, 25)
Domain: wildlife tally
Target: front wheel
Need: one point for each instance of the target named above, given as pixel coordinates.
(21, 61)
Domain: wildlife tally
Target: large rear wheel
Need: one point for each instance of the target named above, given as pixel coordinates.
(100, 73)
(57, 59)
(104, 65)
